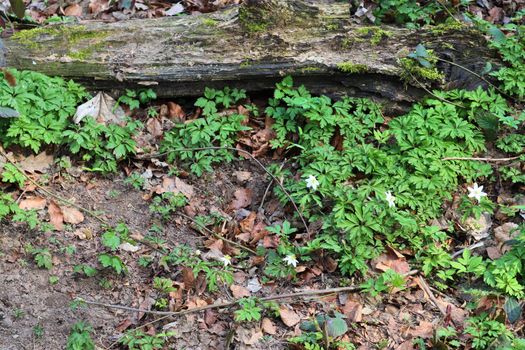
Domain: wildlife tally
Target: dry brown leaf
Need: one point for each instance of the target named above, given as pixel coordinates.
(353, 310)
(424, 330)
(56, 218)
(73, 10)
(268, 327)
(102, 108)
(243, 198)
(97, 6)
(37, 203)
(248, 336)
(247, 224)
(188, 278)
(84, 233)
(72, 215)
(175, 185)
(39, 163)
(289, 317)
(175, 111)
(239, 291)
(389, 261)
(154, 127)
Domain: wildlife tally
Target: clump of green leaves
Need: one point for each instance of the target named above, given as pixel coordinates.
(80, 337)
(407, 12)
(133, 99)
(45, 105)
(248, 310)
(486, 332)
(167, 203)
(102, 146)
(213, 130)
(138, 340)
(370, 160)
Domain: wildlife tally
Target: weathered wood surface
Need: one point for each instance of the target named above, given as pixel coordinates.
(251, 46)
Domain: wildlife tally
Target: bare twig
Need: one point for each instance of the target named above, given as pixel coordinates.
(154, 155)
(470, 247)
(484, 159)
(421, 85)
(301, 294)
(216, 235)
(427, 290)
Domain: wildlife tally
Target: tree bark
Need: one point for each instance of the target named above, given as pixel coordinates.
(249, 46)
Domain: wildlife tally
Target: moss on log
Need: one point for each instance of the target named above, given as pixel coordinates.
(251, 46)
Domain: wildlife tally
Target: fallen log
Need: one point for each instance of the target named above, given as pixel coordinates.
(249, 46)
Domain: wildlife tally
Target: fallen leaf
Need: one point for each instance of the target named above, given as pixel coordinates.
(154, 127)
(72, 215)
(243, 198)
(239, 291)
(242, 176)
(248, 336)
(425, 329)
(39, 163)
(188, 278)
(254, 285)
(353, 310)
(122, 326)
(84, 233)
(56, 218)
(73, 10)
(389, 261)
(175, 185)
(37, 203)
(128, 247)
(174, 10)
(268, 327)
(175, 111)
(102, 108)
(97, 6)
(289, 317)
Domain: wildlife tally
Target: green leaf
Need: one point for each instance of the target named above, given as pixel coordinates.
(18, 7)
(497, 34)
(513, 309)
(336, 327)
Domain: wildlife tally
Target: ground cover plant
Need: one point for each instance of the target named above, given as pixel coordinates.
(225, 217)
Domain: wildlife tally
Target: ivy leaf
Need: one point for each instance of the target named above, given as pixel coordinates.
(512, 309)
(421, 51)
(497, 34)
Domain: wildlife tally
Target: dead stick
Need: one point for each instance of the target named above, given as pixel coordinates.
(251, 157)
(304, 293)
(427, 290)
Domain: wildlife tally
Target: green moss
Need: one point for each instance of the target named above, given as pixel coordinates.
(375, 34)
(209, 22)
(69, 35)
(309, 69)
(353, 68)
(86, 53)
(445, 27)
(271, 14)
(245, 64)
(412, 69)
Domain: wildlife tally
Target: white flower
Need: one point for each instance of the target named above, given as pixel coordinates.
(476, 192)
(290, 259)
(226, 260)
(390, 199)
(197, 252)
(311, 182)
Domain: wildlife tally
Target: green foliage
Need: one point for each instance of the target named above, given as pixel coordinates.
(133, 99)
(164, 285)
(84, 269)
(371, 161)
(80, 337)
(386, 282)
(138, 340)
(135, 180)
(102, 146)
(45, 105)
(214, 130)
(486, 332)
(248, 310)
(167, 203)
(11, 174)
(215, 272)
(43, 258)
(420, 66)
(113, 262)
(407, 12)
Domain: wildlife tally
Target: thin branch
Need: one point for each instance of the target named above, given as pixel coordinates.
(301, 294)
(470, 247)
(484, 159)
(421, 85)
(433, 299)
(216, 235)
(251, 157)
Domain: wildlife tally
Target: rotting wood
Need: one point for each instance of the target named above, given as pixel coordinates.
(251, 46)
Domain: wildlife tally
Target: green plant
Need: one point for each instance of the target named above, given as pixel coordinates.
(84, 269)
(38, 331)
(43, 258)
(407, 12)
(248, 310)
(135, 180)
(112, 261)
(485, 332)
(164, 285)
(102, 146)
(167, 203)
(11, 174)
(133, 99)
(80, 337)
(213, 130)
(386, 282)
(138, 340)
(323, 329)
(45, 105)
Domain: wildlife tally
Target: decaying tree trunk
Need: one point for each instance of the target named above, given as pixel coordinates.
(250, 46)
